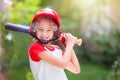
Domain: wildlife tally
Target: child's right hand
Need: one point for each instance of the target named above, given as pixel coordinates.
(68, 39)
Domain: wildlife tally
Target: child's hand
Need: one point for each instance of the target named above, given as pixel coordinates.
(64, 36)
(70, 40)
(67, 39)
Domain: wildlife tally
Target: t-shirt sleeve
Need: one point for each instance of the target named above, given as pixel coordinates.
(34, 51)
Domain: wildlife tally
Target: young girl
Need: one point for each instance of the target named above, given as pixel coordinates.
(48, 61)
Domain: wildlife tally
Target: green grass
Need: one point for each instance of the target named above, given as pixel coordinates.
(90, 71)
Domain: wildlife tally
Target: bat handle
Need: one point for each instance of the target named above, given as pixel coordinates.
(78, 42)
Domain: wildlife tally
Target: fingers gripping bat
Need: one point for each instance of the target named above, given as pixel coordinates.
(25, 29)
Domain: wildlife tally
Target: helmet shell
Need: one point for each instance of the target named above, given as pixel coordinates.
(47, 12)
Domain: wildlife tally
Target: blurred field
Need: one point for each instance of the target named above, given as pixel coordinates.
(90, 71)
(95, 21)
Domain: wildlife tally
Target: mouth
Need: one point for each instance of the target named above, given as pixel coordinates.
(44, 41)
(42, 38)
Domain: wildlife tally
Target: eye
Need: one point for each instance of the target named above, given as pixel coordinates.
(49, 30)
(39, 29)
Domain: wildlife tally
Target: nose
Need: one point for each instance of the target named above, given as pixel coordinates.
(44, 34)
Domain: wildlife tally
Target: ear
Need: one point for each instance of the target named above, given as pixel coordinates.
(57, 34)
(32, 31)
(55, 28)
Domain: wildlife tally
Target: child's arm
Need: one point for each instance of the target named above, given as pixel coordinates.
(73, 64)
(61, 63)
(58, 62)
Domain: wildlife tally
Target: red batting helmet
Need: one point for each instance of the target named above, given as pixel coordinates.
(47, 12)
(50, 13)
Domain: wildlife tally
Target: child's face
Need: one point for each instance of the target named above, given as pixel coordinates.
(44, 29)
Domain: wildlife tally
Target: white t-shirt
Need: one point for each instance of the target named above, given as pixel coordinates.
(45, 71)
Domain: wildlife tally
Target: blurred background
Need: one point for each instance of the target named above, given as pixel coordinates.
(97, 22)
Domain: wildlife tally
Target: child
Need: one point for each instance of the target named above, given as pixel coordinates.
(48, 61)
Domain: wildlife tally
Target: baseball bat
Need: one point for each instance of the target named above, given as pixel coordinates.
(17, 28)
(25, 29)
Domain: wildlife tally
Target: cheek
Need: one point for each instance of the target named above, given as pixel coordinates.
(51, 34)
(38, 34)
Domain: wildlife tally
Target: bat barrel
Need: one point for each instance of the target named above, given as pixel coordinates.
(17, 28)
